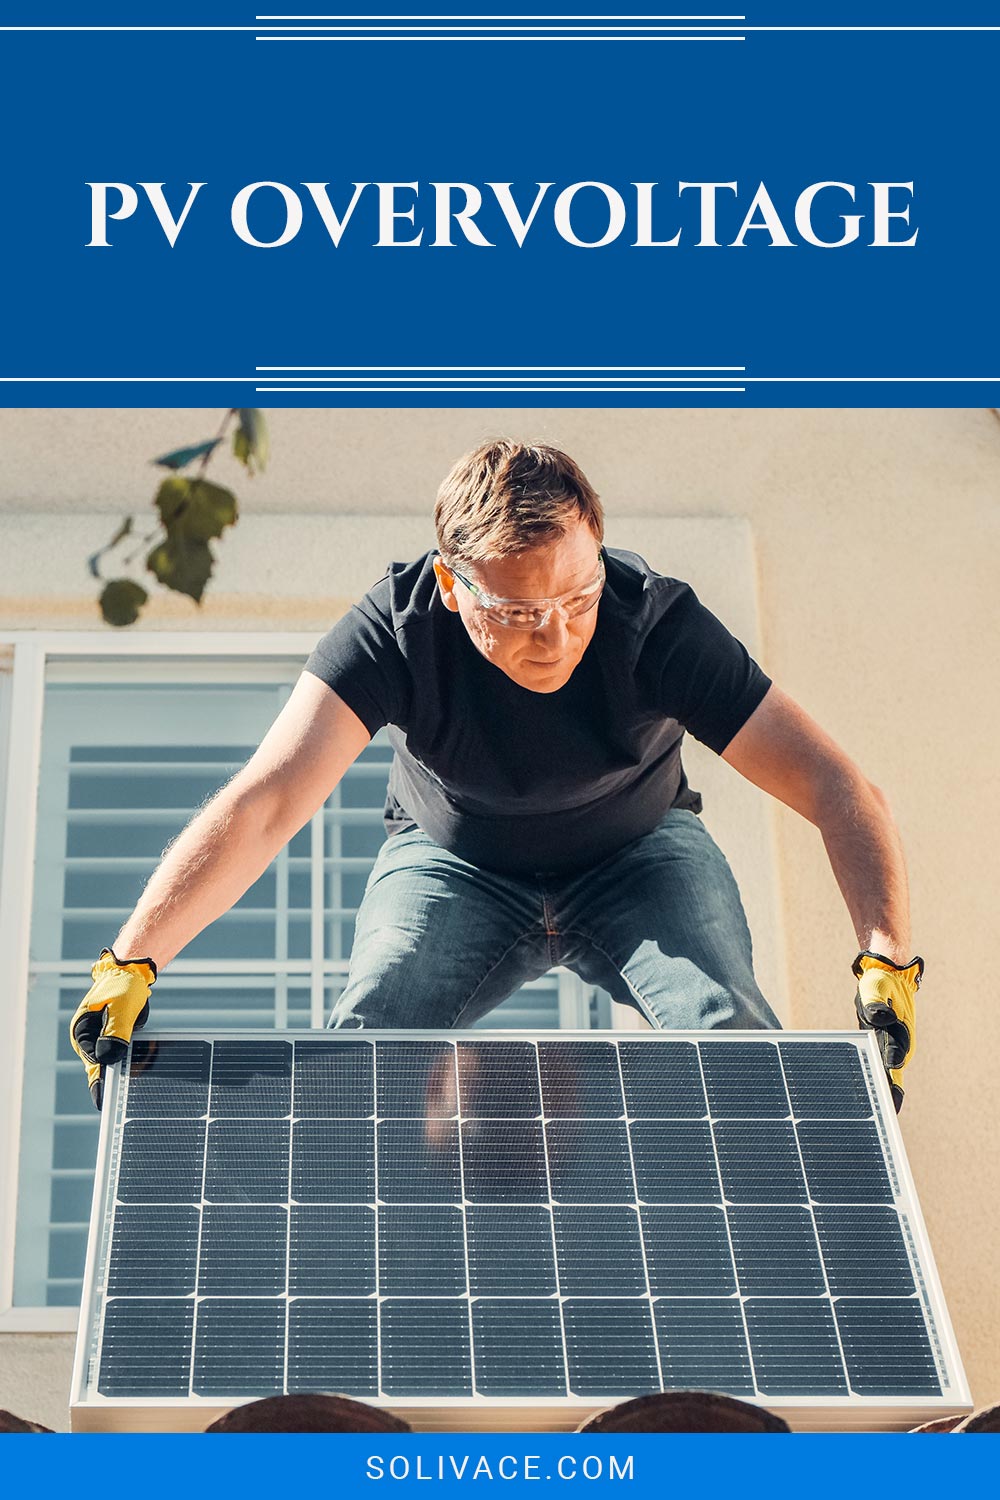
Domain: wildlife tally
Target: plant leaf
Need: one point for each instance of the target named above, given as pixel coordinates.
(182, 563)
(181, 457)
(194, 509)
(124, 530)
(251, 440)
(93, 561)
(121, 601)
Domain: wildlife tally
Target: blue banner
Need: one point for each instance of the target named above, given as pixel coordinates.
(749, 205)
(633, 1467)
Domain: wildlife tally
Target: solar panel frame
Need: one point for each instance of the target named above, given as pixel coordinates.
(91, 1410)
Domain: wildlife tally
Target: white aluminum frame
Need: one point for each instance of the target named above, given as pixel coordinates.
(31, 654)
(95, 1413)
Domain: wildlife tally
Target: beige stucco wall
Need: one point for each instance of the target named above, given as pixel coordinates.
(877, 537)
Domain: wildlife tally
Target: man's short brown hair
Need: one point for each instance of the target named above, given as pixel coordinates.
(505, 497)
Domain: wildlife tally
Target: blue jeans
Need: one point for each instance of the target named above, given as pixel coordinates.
(659, 925)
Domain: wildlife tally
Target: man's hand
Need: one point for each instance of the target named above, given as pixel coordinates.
(116, 1005)
(885, 1005)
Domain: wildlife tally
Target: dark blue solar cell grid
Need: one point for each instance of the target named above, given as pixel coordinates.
(519, 1348)
(864, 1251)
(418, 1161)
(589, 1161)
(580, 1080)
(510, 1251)
(425, 1347)
(243, 1248)
(251, 1079)
(162, 1161)
(416, 1079)
(154, 1251)
(775, 1251)
(886, 1347)
(609, 1346)
(759, 1162)
(239, 1347)
(675, 1161)
(498, 1079)
(334, 1079)
(687, 1251)
(843, 1161)
(662, 1080)
(703, 1345)
(504, 1161)
(247, 1161)
(333, 1161)
(333, 1346)
(794, 1346)
(421, 1251)
(826, 1080)
(599, 1249)
(331, 1250)
(146, 1347)
(168, 1079)
(336, 1168)
(744, 1081)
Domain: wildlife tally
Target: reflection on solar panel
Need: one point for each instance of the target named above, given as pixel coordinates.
(485, 1230)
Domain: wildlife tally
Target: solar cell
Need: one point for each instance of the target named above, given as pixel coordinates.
(598, 1248)
(331, 1250)
(703, 1345)
(445, 1220)
(741, 1083)
(665, 1084)
(519, 1347)
(333, 1345)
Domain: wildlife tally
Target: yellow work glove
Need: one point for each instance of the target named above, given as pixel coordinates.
(885, 1005)
(116, 1004)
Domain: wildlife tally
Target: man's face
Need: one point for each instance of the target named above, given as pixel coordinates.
(541, 660)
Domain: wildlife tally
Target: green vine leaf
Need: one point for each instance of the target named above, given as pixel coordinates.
(181, 457)
(182, 563)
(195, 509)
(121, 601)
(251, 440)
(191, 512)
(94, 560)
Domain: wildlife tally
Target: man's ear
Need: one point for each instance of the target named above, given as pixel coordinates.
(446, 584)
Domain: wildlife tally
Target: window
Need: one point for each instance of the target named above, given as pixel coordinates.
(113, 747)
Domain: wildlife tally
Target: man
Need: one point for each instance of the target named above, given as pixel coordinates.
(537, 686)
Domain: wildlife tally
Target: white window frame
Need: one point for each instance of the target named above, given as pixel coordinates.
(25, 656)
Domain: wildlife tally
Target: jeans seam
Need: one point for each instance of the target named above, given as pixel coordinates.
(640, 999)
(460, 1012)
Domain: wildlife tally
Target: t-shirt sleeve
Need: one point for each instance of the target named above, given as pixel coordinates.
(360, 659)
(709, 681)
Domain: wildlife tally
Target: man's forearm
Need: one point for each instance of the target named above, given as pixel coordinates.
(866, 855)
(204, 872)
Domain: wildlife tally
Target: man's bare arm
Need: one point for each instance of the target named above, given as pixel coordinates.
(785, 752)
(232, 840)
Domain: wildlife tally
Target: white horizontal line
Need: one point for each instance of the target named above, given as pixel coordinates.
(524, 26)
(514, 381)
(123, 379)
(390, 371)
(370, 390)
(746, 28)
(498, 18)
(888, 379)
(223, 379)
(644, 37)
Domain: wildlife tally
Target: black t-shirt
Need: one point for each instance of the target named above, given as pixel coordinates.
(539, 783)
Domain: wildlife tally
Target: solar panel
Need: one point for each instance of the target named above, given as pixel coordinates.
(488, 1231)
